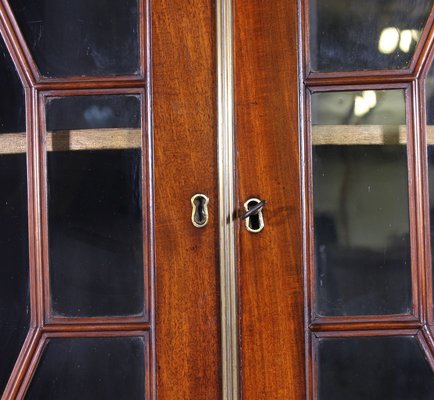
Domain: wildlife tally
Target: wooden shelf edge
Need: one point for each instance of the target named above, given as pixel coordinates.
(76, 140)
(121, 138)
(359, 135)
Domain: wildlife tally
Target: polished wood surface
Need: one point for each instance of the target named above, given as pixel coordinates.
(270, 263)
(184, 104)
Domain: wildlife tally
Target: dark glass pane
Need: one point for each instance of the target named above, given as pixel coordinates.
(12, 103)
(95, 205)
(14, 265)
(430, 142)
(90, 369)
(81, 37)
(362, 244)
(361, 35)
(374, 368)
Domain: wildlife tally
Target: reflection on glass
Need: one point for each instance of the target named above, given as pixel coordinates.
(81, 37)
(362, 245)
(95, 205)
(14, 265)
(90, 369)
(361, 368)
(360, 35)
(430, 142)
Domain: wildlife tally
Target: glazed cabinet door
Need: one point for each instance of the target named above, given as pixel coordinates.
(348, 219)
(108, 290)
(134, 137)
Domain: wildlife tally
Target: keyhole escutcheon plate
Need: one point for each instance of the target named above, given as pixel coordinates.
(199, 214)
(254, 222)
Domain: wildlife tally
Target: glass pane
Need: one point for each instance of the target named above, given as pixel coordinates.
(90, 369)
(14, 266)
(95, 205)
(362, 244)
(430, 144)
(361, 368)
(359, 35)
(81, 37)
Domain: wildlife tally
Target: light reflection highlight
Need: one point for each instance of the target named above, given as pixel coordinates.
(392, 38)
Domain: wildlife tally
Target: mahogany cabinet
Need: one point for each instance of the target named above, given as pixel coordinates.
(219, 199)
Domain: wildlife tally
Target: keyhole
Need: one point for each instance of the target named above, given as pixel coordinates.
(199, 215)
(255, 219)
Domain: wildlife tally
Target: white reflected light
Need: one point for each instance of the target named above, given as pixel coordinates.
(361, 106)
(405, 40)
(370, 97)
(389, 40)
(415, 35)
(364, 103)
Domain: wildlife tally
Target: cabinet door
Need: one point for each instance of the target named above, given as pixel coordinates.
(350, 213)
(107, 131)
(270, 262)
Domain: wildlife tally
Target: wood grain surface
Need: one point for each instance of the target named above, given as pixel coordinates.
(270, 263)
(184, 106)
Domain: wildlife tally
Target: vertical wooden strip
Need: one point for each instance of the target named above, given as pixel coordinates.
(426, 271)
(270, 271)
(415, 202)
(27, 348)
(185, 163)
(420, 120)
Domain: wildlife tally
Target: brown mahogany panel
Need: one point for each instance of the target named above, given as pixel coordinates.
(270, 263)
(187, 287)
